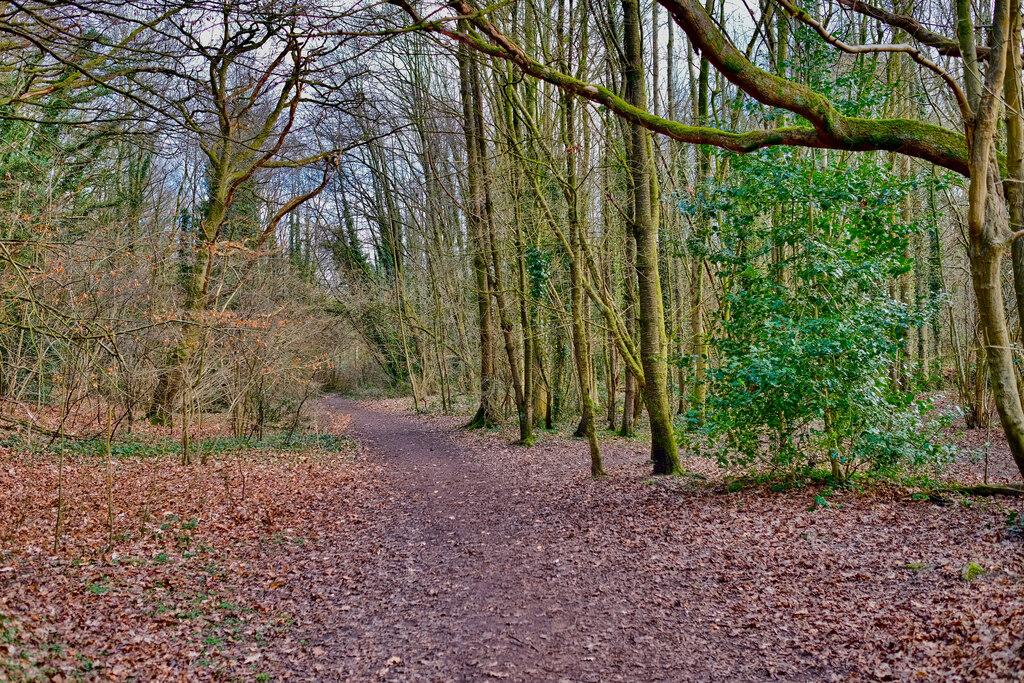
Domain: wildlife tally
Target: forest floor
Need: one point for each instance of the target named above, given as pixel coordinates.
(433, 554)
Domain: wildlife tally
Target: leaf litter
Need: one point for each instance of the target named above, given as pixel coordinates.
(436, 554)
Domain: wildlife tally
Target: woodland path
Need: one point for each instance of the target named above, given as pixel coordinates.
(489, 579)
(487, 563)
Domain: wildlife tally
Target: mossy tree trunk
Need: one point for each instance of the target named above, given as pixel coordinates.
(580, 342)
(1014, 97)
(629, 383)
(644, 227)
(988, 221)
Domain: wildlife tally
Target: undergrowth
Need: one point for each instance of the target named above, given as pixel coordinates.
(133, 447)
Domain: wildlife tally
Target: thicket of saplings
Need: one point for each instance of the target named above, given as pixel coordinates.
(94, 282)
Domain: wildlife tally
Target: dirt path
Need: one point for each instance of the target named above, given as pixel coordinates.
(482, 561)
(475, 584)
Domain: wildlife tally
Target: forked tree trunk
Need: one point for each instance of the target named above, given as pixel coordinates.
(988, 223)
(987, 251)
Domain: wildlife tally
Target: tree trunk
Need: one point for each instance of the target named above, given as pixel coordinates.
(486, 414)
(988, 224)
(664, 453)
(629, 383)
(1012, 93)
(698, 341)
(580, 339)
(986, 256)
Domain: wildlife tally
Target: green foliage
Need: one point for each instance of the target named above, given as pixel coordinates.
(854, 87)
(538, 270)
(138, 448)
(807, 331)
(1015, 523)
(821, 502)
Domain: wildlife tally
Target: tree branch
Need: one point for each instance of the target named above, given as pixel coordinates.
(945, 45)
(904, 48)
(914, 138)
(829, 129)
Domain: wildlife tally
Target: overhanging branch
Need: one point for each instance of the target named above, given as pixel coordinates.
(829, 129)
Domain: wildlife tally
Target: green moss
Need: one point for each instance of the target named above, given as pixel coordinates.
(733, 64)
(971, 571)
